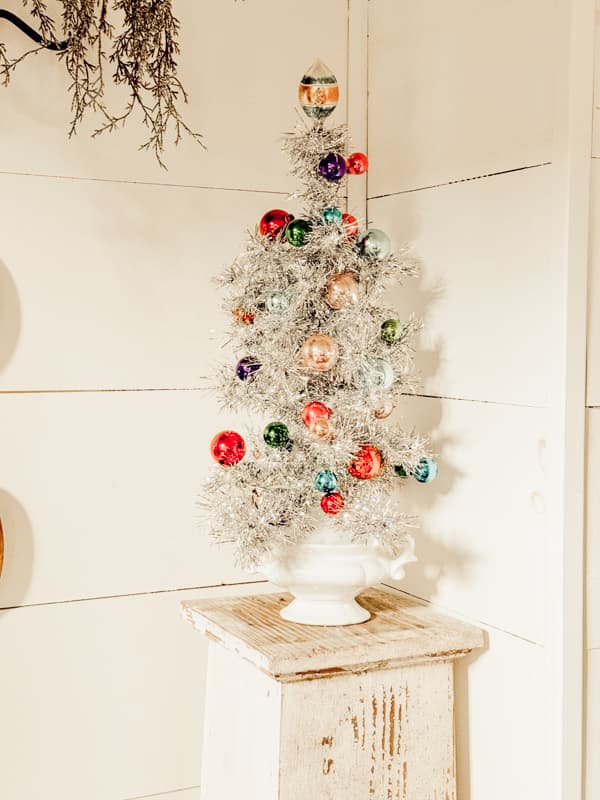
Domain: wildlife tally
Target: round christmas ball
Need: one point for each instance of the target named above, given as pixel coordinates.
(277, 303)
(332, 167)
(321, 428)
(332, 503)
(243, 316)
(297, 232)
(350, 224)
(326, 481)
(426, 470)
(274, 222)
(366, 464)
(377, 374)
(315, 410)
(375, 244)
(391, 330)
(356, 164)
(246, 367)
(331, 216)
(341, 290)
(400, 471)
(276, 434)
(319, 352)
(383, 408)
(228, 448)
(318, 91)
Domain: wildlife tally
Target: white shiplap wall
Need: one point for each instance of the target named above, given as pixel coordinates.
(471, 118)
(108, 323)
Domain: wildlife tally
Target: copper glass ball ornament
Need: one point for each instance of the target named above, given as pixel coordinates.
(318, 91)
(319, 352)
(321, 428)
(341, 290)
(383, 407)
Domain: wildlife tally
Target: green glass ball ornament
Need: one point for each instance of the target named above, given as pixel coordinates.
(276, 434)
(326, 481)
(391, 330)
(400, 471)
(277, 303)
(426, 471)
(377, 374)
(331, 216)
(375, 244)
(297, 232)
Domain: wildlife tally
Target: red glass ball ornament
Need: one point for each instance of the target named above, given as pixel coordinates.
(367, 463)
(350, 224)
(274, 222)
(242, 316)
(313, 411)
(228, 448)
(332, 503)
(357, 163)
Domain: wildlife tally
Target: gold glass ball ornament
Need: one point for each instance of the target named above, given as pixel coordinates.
(319, 352)
(341, 290)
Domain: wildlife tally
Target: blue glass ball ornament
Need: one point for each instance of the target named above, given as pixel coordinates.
(332, 167)
(276, 434)
(375, 244)
(277, 303)
(377, 374)
(426, 471)
(326, 481)
(331, 216)
(297, 232)
(246, 367)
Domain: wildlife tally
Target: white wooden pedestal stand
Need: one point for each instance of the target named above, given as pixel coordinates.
(363, 712)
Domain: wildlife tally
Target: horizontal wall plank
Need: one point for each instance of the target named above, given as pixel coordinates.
(241, 64)
(449, 100)
(101, 699)
(593, 352)
(483, 521)
(486, 276)
(98, 494)
(500, 721)
(592, 764)
(178, 794)
(109, 285)
(593, 529)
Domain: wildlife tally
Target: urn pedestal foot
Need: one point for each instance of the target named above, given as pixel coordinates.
(310, 611)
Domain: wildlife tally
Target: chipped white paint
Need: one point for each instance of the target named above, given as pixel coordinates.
(365, 712)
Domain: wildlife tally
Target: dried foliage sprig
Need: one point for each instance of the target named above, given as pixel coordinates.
(137, 41)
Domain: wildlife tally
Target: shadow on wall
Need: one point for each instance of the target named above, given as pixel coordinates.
(18, 551)
(10, 316)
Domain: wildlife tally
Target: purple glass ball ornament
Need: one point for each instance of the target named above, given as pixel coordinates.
(246, 367)
(332, 167)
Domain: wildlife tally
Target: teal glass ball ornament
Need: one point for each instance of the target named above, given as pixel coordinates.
(375, 244)
(331, 216)
(276, 434)
(277, 303)
(326, 481)
(377, 374)
(391, 330)
(297, 232)
(426, 471)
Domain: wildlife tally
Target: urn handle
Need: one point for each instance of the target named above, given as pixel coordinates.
(396, 565)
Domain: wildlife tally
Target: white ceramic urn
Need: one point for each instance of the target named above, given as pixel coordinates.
(326, 573)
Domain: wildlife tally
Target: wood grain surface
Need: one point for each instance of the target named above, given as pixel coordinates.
(401, 630)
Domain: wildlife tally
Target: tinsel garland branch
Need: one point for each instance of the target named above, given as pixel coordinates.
(268, 500)
(140, 49)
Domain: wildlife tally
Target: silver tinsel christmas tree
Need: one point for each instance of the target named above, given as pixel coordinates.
(321, 356)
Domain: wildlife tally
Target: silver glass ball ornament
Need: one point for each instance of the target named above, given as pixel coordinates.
(375, 244)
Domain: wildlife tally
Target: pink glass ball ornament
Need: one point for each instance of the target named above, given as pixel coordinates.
(341, 290)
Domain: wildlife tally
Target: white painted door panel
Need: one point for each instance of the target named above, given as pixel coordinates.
(593, 529)
(98, 494)
(241, 63)
(458, 90)
(483, 295)
(483, 521)
(592, 762)
(593, 344)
